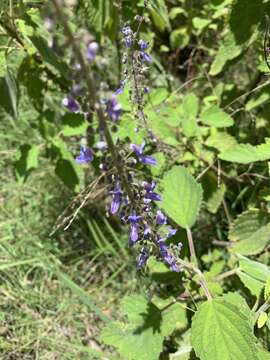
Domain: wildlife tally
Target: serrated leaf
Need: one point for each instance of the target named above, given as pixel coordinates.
(161, 129)
(141, 336)
(181, 196)
(214, 116)
(28, 161)
(221, 331)
(221, 141)
(250, 232)
(253, 275)
(262, 319)
(246, 153)
(73, 124)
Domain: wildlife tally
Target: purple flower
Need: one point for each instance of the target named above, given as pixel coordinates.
(101, 145)
(92, 50)
(146, 89)
(169, 259)
(150, 194)
(126, 30)
(86, 155)
(116, 201)
(145, 159)
(143, 45)
(145, 56)
(143, 257)
(147, 231)
(121, 88)
(171, 232)
(133, 237)
(114, 109)
(161, 219)
(71, 104)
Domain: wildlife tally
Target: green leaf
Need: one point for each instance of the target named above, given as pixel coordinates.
(188, 113)
(228, 50)
(28, 161)
(220, 331)
(250, 232)
(263, 354)
(159, 13)
(262, 319)
(246, 153)
(200, 23)
(267, 289)
(161, 129)
(253, 275)
(179, 38)
(181, 196)
(216, 199)
(73, 124)
(216, 117)
(221, 141)
(141, 336)
(66, 171)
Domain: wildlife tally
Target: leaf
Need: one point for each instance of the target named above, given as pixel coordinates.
(141, 336)
(221, 141)
(267, 289)
(161, 129)
(250, 232)
(9, 93)
(216, 117)
(262, 319)
(28, 161)
(200, 23)
(220, 331)
(159, 13)
(66, 171)
(228, 50)
(253, 275)
(263, 354)
(188, 113)
(73, 124)
(246, 153)
(216, 199)
(179, 38)
(181, 196)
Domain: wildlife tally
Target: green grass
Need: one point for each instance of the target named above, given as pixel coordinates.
(56, 292)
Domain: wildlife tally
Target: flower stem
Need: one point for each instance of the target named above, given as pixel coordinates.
(94, 97)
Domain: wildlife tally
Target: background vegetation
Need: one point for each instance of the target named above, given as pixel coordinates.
(63, 281)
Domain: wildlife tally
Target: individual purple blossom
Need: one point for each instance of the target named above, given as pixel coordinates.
(145, 56)
(143, 257)
(161, 219)
(116, 201)
(92, 50)
(150, 194)
(145, 159)
(126, 30)
(86, 155)
(143, 45)
(147, 231)
(71, 104)
(121, 88)
(133, 237)
(169, 259)
(114, 109)
(171, 232)
(146, 89)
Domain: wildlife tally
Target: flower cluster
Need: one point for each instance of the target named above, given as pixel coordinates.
(133, 200)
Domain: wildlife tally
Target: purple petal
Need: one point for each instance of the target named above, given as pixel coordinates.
(143, 257)
(161, 219)
(116, 202)
(148, 160)
(126, 30)
(86, 155)
(146, 56)
(92, 50)
(153, 196)
(135, 148)
(143, 45)
(71, 104)
(171, 232)
(133, 236)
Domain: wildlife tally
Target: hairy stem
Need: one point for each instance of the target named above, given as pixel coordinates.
(94, 97)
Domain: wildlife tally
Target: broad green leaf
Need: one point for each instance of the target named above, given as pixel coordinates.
(214, 116)
(141, 336)
(188, 112)
(228, 50)
(66, 171)
(181, 196)
(250, 232)
(200, 23)
(128, 128)
(27, 161)
(263, 354)
(253, 275)
(73, 124)
(161, 129)
(157, 96)
(257, 100)
(221, 141)
(267, 289)
(179, 38)
(246, 153)
(216, 199)
(221, 331)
